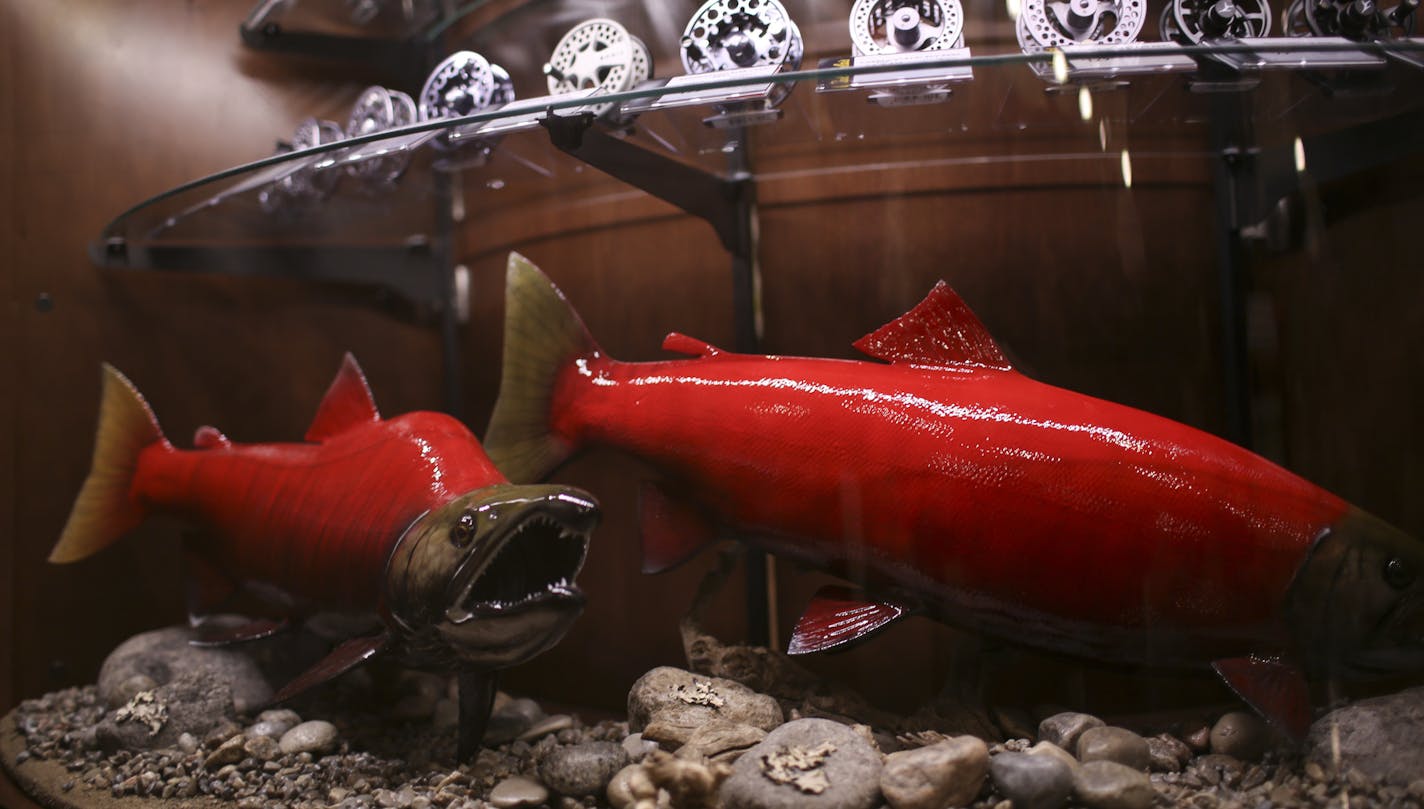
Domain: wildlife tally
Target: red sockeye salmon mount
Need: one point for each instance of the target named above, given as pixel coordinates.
(405, 518)
(943, 482)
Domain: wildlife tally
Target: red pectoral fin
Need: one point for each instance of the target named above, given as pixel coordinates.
(250, 631)
(342, 659)
(837, 616)
(672, 531)
(1277, 690)
(347, 403)
(940, 330)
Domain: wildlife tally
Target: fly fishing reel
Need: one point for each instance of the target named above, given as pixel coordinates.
(306, 183)
(731, 34)
(464, 84)
(1361, 20)
(376, 110)
(904, 26)
(598, 55)
(1045, 24)
(1191, 22)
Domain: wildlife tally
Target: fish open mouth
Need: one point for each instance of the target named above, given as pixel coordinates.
(531, 565)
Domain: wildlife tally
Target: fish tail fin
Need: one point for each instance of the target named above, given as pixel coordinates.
(543, 335)
(105, 509)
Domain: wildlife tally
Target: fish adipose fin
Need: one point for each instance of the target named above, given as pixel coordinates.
(348, 403)
(680, 343)
(210, 438)
(542, 336)
(1277, 690)
(940, 330)
(672, 531)
(106, 509)
(342, 659)
(837, 616)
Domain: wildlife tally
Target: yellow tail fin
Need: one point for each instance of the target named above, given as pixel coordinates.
(106, 509)
(543, 335)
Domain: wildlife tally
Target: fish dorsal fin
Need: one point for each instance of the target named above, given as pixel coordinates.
(210, 438)
(940, 330)
(347, 403)
(837, 616)
(1276, 689)
(680, 343)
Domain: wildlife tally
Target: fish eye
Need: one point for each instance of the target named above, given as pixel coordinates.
(1398, 573)
(463, 530)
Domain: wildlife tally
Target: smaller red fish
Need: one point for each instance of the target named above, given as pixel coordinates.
(405, 518)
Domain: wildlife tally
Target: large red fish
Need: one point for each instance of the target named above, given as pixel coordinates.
(945, 482)
(405, 518)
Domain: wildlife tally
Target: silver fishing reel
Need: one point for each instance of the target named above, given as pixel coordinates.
(730, 34)
(903, 26)
(1045, 24)
(464, 84)
(598, 55)
(376, 110)
(1191, 22)
(306, 183)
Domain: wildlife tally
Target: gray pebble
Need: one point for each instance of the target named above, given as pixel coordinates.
(187, 743)
(1240, 735)
(551, 724)
(1051, 749)
(1031, 781)
(582, 770)
(518, 790)
(1168, 753)
(1063, 729)
(262, 748)
(510, 719)
(849, 766)
(1114, 744)
(228, 753)
(316, 736)
(679, 702)
(949, 773)
(1109, 785)
(637, 747)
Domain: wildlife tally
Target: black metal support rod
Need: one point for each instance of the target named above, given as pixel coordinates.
(442, 267)
(1231, 174)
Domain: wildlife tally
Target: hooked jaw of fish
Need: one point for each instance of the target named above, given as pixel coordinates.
(1357, 603)
(488, 580)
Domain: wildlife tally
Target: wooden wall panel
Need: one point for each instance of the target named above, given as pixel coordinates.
(9, 311)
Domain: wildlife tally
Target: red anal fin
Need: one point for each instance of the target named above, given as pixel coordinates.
(672, 531)
(250, 631)
(837, 616)
(680, 343)
(940, 330)
(210, 438)
(348, 403)
(1277, 691)
(342, 659)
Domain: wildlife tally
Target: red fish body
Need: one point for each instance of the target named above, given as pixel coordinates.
(945, 482)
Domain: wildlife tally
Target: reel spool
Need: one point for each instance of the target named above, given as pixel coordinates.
(1045, 24)
(904, 26)
(1190, 22)
(730, 34)
(463, 84)
(376, 110)
(305, 184)
(598, 55)
(1361, 20)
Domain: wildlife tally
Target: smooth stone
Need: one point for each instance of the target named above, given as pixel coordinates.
(280, 716)
(949, 773)
(1240, 735)
(1063, 729)
(509, 720)
(518, 790)
(1031, 782)
(550, 724)
(196, 703)
(720, 740)
(582, 770)
(1168, 753)
(848, 769)
(229, 752)
(316, 736)
(162, 654)
(188, 743)
(637, 747)
(620, 788)
(680, 702)
(262, 748)
(1114, 744)
(1110, 785)
(1382, 737)
(1051, 749)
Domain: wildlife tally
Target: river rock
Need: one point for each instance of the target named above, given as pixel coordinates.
(637, 747)
(582, 770)
(160, 655)
(1063, 729)
(814, 763)
(1168, 753)
(676, 702)
(195, 703)
(720, 740)
(1051, 749)
(1382, 737)
(1114, 744)
(315, 737)
(949, 773)
(1110, 785)
(510, 719)
(518, 790)
(1031, 781)
(1240, 735)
